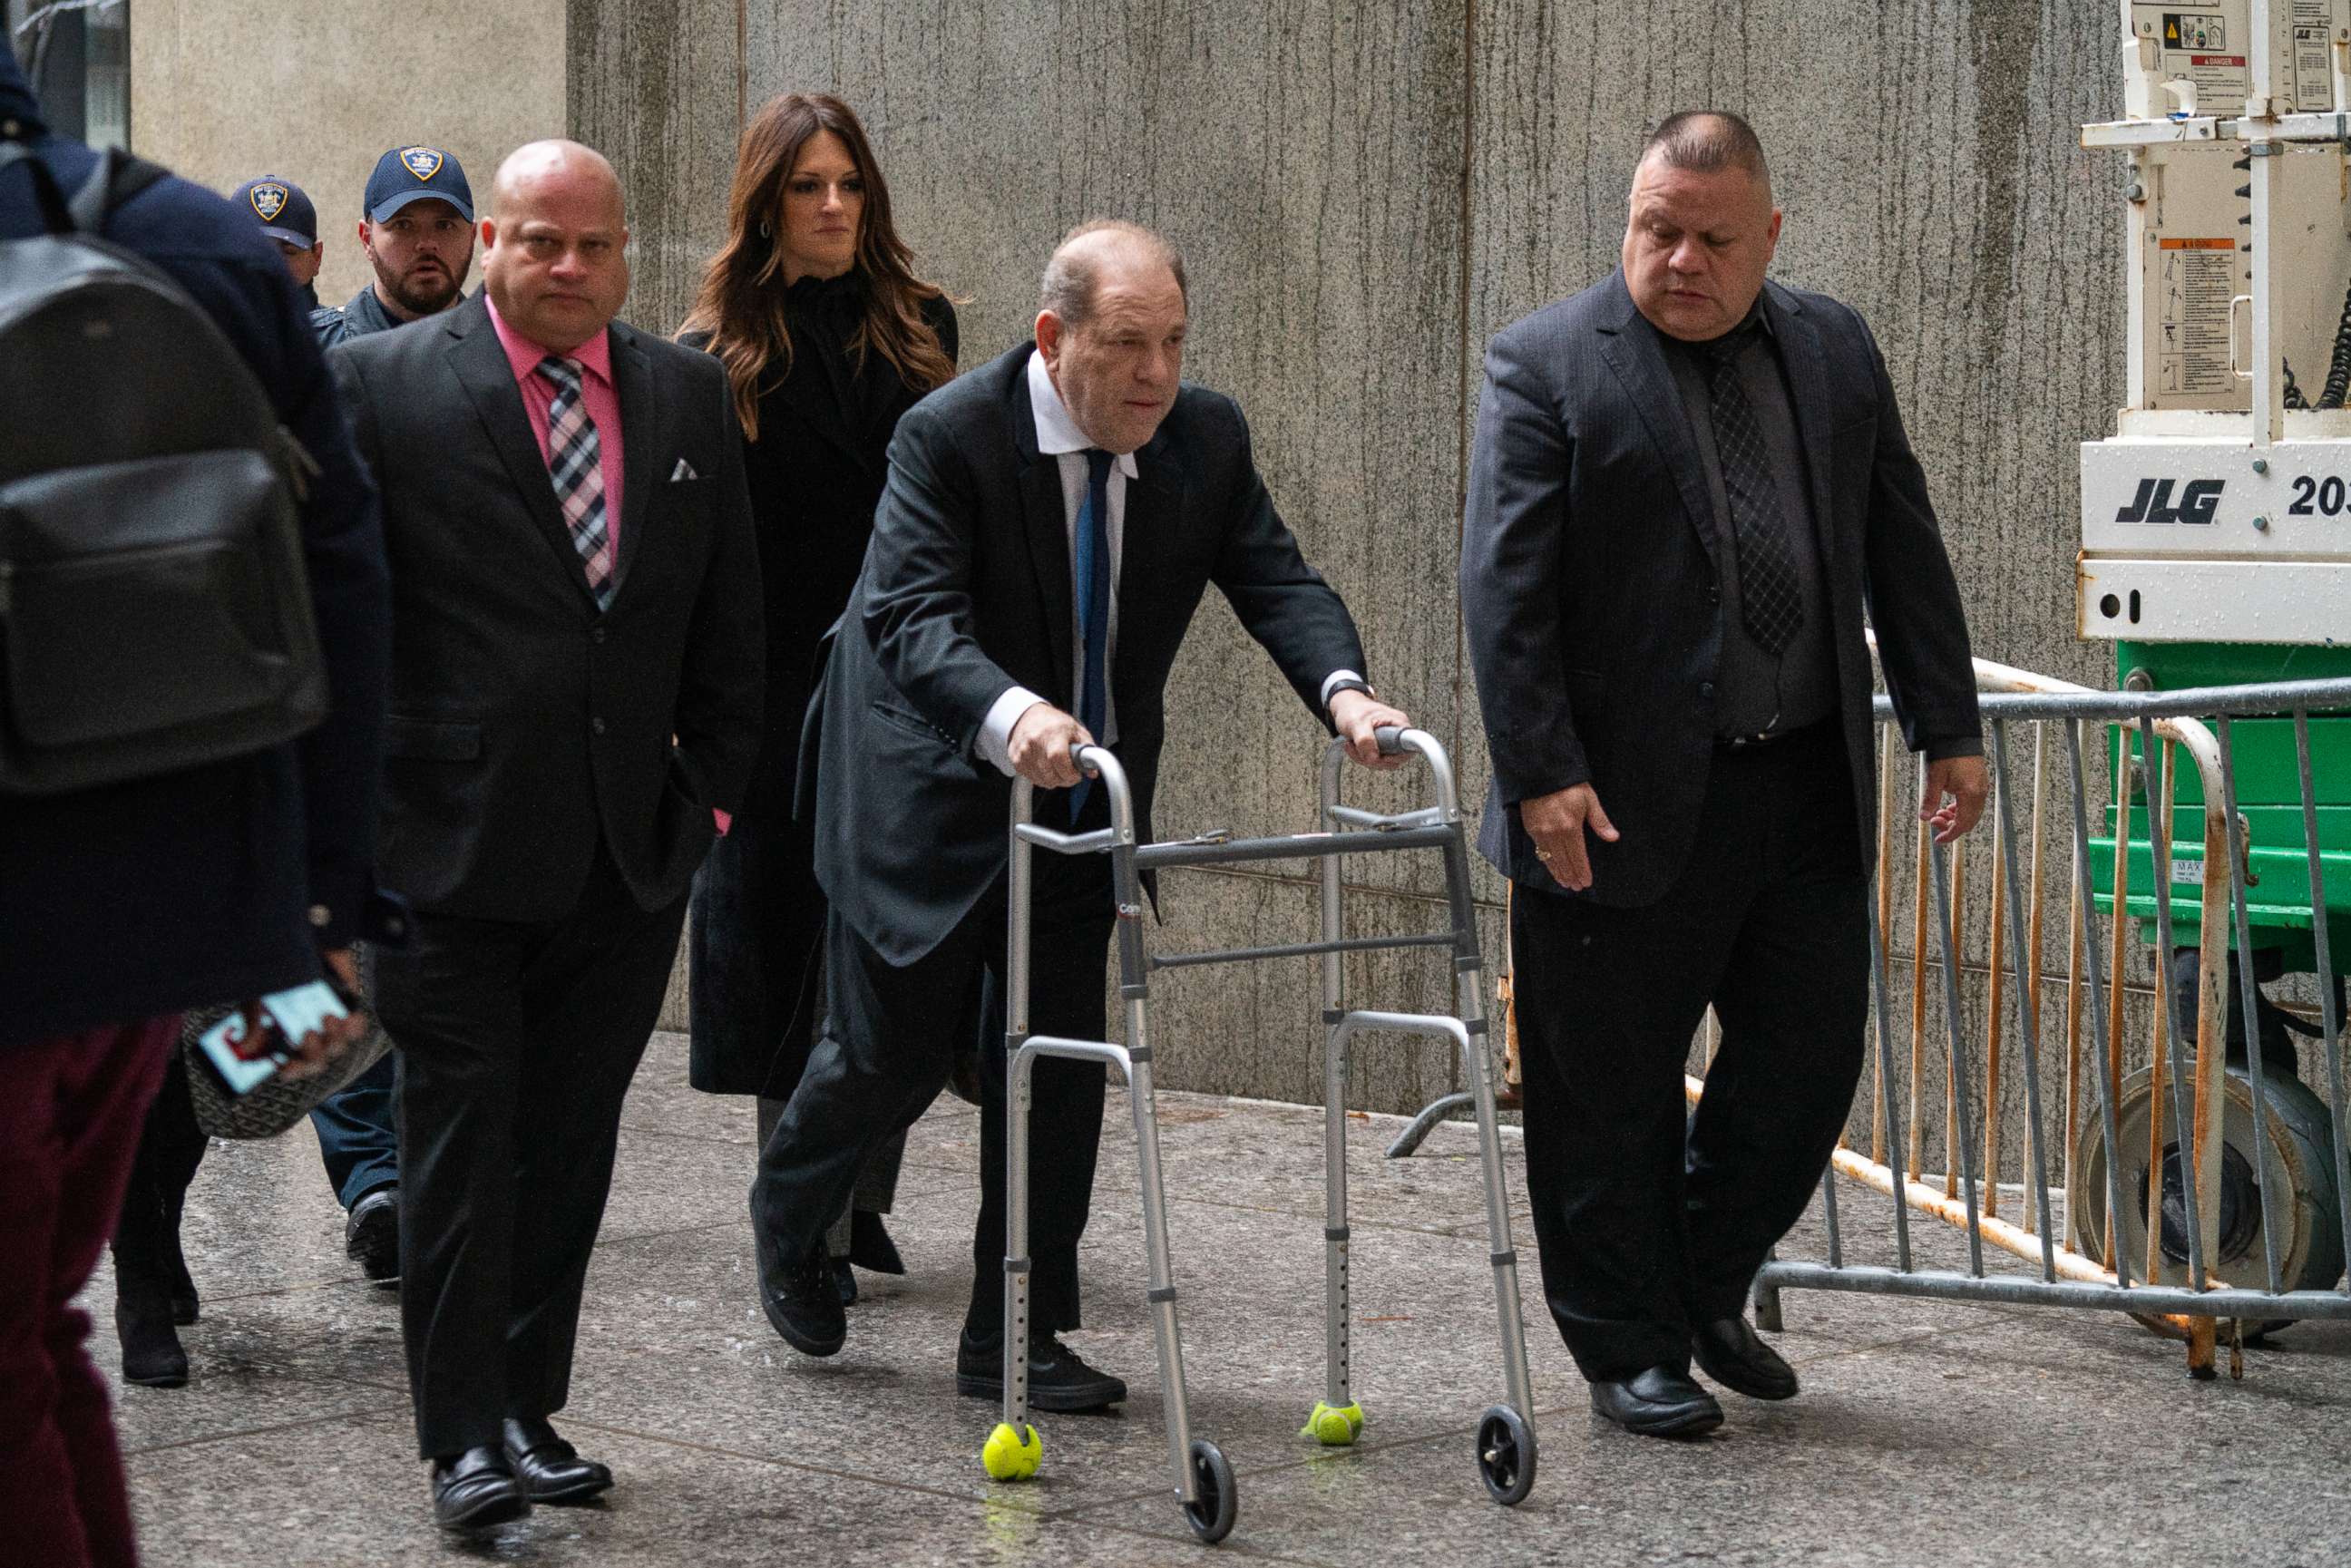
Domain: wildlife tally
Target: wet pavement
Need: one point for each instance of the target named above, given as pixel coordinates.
(1927, 1432)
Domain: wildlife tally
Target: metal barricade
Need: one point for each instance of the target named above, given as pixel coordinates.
(2125, 1218)
(2122, 1218)
(1505, 1446)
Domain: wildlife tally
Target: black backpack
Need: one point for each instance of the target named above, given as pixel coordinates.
(154, 610)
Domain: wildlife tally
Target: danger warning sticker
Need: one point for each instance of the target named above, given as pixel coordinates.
(2193, 286)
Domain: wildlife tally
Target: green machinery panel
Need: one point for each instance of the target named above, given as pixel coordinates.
(2269, 797)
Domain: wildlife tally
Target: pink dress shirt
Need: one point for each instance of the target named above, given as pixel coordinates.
(595, 357)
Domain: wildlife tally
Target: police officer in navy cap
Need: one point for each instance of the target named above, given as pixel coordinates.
(416, 226)
(287, 217)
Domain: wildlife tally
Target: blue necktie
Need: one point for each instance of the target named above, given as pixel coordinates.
(1090, 580)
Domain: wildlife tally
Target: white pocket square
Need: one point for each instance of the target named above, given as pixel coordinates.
(683, 472)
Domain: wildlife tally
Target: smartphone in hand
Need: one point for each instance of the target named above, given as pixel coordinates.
(243, 1059)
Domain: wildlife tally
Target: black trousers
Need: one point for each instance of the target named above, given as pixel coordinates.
(890, 1037)
(1650, 1219)
(516, 1043)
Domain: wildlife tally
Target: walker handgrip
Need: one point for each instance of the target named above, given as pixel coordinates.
(1390, 737)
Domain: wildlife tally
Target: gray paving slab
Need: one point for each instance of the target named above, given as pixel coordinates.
(1928, 1431)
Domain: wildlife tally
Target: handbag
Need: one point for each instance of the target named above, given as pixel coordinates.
(277, 1103)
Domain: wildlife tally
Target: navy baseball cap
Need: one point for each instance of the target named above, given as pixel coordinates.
(407, 175)
(286, 213)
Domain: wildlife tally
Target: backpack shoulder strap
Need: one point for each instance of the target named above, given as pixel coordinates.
(117, 177)
(46, 194)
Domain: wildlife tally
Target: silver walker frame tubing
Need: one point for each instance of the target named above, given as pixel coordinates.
(1336, 1314)
(1468, 1033)
(1133, 1062)
(1354, 832)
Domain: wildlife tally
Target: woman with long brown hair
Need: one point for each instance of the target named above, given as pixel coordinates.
(828, 337)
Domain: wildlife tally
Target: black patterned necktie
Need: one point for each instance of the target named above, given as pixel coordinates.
(575, 461)
(1769, 599)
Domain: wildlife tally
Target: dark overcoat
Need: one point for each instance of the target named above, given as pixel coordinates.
(816, 472)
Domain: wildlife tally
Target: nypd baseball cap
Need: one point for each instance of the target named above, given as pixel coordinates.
(407, 175)
(286, 213)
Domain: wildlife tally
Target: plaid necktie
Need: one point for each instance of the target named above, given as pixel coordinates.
(1769, 599)
(575, 461)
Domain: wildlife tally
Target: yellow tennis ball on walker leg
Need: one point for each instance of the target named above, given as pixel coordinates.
(1012, 1456)
(1333, 1426)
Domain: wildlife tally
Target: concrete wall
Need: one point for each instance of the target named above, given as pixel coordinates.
(226, 90)
(1365, 195)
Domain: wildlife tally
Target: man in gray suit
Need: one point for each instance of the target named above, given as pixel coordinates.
(1687, 485)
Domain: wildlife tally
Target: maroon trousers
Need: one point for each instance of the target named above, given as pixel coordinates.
(70, 1114)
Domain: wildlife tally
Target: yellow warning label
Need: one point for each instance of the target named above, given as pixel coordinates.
(2198, 243)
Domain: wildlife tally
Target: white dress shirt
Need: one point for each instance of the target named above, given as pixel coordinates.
(1058, 436)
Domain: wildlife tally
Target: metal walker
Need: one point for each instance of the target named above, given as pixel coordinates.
(1203, 1478)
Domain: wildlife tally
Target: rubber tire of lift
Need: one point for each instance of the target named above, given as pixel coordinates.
(1506, 1455)
(1211, 1516)
(2300, 1152)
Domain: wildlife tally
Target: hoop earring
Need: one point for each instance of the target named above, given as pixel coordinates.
(765, 232)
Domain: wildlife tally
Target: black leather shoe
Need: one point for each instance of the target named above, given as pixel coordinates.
(549, 1468)
(1729, 1351)
(1059, 1379)
(1660, 1402)
(800, 1296)
(844, 1280)
(475, 1488)
(371, 1235)
(870, 1247)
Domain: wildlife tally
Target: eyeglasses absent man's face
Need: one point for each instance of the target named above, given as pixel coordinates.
(420, 255)
(1118, 370)
(1697, 247)
(555, 255)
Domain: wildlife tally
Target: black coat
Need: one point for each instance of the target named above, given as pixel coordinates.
(966, 592)
(816, 471)
(525, 723)
(1589, 593)
(221, 882)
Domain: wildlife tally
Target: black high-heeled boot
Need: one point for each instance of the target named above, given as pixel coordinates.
(185, 1302)
(151, 1354)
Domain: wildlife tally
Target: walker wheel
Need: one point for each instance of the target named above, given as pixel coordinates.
(1211, 1513)
(1012, 1455)
(1506, 1455)
(1333, 1426)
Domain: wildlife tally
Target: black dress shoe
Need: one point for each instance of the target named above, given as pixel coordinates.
(371, 1235)
(1660, 1402)
(549, 1468)
(799, 1294)
(870, 1247)
(475, 1488)
(844, 1280)
(1729, 1351)
(1059, 1378)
